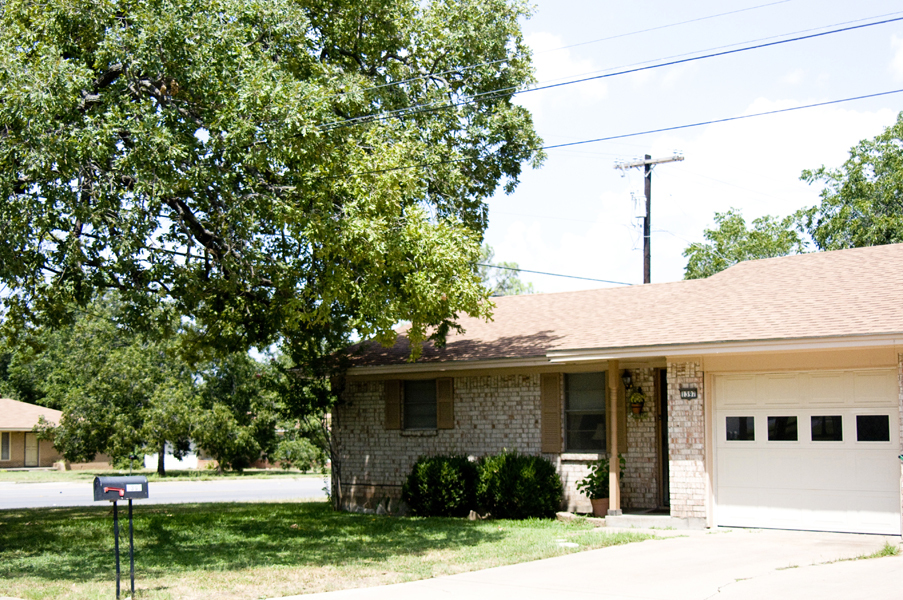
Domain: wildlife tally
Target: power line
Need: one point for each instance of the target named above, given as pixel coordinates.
(660, 27)
(725, 120)
(434, 106)
(506, 59)
(552, 274)
(629, 135)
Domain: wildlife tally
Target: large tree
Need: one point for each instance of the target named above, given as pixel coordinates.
(732, 242)
(501, 278)
(261, 168)
(862, 202)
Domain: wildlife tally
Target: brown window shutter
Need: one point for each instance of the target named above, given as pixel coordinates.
(550, 397)
(445, 403)
(393, 404)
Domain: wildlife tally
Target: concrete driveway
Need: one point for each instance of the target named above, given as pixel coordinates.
(739, 564)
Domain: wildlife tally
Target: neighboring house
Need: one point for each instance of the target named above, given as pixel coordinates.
(774, 394)
(19, 447)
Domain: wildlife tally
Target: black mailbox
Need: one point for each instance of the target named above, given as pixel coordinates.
(120, 488)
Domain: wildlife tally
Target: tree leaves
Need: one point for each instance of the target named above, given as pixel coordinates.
(256, 166)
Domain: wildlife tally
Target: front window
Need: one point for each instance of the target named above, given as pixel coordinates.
(585, 411)
(4, 445)
(420, 404)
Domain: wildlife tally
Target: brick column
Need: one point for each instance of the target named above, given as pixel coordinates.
(686, 433)
(900, 395)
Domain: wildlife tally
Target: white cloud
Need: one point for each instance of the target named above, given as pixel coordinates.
(554, 66)
(896, 64)
(793, 77)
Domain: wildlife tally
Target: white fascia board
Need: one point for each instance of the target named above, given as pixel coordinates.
(732, 347)
(463, 365)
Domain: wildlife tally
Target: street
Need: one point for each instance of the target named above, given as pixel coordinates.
(45, 495)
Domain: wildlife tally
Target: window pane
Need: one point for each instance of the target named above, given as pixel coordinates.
(741, 429)
(420, 404)
(585, 391)
(782, 429)
(586, 431)
(827, 429)
(585, 411)
(873, 428)
(4, 451)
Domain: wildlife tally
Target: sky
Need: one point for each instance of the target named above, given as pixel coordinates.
(578, 215)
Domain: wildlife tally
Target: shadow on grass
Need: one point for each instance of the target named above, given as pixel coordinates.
(76, 544)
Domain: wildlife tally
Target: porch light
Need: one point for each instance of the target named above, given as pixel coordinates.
(627, 379)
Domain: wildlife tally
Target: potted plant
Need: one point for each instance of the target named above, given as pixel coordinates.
(595, 485)
(636, 400)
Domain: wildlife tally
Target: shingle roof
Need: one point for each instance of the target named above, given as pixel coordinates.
(840, 293)
(21, 416)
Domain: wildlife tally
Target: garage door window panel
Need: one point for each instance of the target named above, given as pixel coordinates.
(740, 429)
(585, 411)
(827, 428)
(872, 428)
(782, 429)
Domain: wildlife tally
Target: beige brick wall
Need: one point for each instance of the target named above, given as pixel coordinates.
(640, 486)
(47, 454)
(900, 392)
(686, 447)
(492, 414)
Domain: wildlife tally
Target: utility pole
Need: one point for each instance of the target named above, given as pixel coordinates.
(647, 164)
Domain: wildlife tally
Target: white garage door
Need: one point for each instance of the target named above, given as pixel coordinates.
(815, 451)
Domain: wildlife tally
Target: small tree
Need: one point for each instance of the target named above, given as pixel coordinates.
(732, 242)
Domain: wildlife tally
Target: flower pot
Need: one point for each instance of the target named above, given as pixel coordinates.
(600, 506)
(637, 408)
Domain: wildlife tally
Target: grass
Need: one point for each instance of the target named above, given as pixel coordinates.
(888, 550)
(42, 476)
(233, 551)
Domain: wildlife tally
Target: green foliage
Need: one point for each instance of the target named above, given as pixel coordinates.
(501, 282)
(518, 486)
(301, 445)
(731, 242)
(238, 411)
(595, 484)
(247, 165)
(862, 202)
(441, 486)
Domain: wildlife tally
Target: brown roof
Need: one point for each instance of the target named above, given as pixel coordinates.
(21, 416)
(824, 294)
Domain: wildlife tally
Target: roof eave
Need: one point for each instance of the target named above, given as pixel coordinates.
(577, 355)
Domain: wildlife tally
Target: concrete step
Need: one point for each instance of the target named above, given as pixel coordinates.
(652, 522)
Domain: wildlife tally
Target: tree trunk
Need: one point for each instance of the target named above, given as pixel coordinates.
(161, 467)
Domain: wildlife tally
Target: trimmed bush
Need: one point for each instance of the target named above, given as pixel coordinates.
(518, 486)
(441, 486)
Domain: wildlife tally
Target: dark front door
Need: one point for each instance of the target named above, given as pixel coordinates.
(663, 430)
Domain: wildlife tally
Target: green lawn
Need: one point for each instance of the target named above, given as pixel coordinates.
(260, 550)
(41, 476)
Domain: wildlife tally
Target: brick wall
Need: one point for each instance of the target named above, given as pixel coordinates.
(900, 393)
(639, 487)
(686, 433)
(492, 414)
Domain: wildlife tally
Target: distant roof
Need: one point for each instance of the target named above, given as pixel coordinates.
(822, 294)
(22, 416)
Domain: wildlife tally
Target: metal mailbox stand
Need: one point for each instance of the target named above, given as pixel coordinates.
(121, 488)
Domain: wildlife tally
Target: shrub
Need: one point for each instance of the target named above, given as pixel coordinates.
(518, 486)
(595, 484)
(441, 486)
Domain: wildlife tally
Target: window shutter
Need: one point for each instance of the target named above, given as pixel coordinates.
(550, 397)
(393, 404)
(445, 403)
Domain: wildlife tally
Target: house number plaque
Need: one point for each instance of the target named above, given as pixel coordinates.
(688, 394)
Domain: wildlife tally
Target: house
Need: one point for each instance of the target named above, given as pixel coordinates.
(773, 394)
(19, 447)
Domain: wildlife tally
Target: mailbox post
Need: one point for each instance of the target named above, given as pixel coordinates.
(114, 489)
